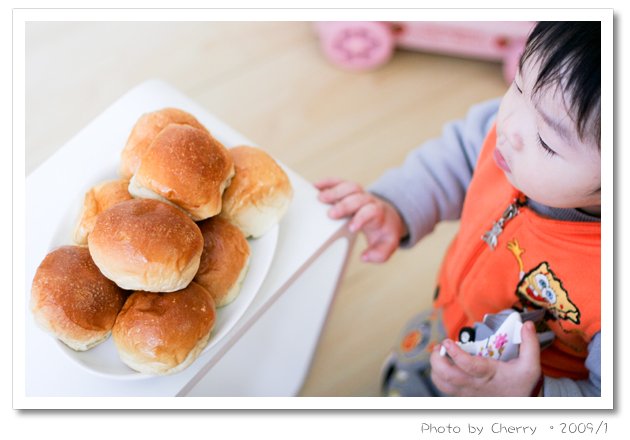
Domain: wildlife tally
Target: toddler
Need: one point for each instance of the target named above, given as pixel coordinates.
(523, 176)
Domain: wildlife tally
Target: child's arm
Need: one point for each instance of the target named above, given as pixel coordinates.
(564, 387)
(406, 202)
(431, 184)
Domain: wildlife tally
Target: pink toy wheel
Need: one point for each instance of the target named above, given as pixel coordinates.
(357, 45)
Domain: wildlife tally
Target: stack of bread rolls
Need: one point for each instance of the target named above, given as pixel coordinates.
(158, 250)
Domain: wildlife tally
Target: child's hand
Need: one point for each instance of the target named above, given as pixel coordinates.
(466, 375)
(379, 220)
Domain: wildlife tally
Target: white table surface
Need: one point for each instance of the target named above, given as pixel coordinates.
(304, 232)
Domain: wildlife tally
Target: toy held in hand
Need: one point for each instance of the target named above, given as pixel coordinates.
(499, 335)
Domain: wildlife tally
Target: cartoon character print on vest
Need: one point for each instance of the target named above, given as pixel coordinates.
(542, 288)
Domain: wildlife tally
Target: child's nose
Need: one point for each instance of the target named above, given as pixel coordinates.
(515, 140)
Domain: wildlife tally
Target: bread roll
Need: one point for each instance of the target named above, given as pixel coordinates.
(163, 333)
(187, 167)
(71, 299)
(145, 130)
(224, 260)
(260, 192)
(97, 200)
(146, 245)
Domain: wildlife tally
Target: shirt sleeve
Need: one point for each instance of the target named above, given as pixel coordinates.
(431, 184)
(564, 387)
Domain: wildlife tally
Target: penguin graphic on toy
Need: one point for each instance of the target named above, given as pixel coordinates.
(499, 335)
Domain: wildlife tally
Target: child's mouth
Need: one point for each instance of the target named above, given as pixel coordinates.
(500, 160)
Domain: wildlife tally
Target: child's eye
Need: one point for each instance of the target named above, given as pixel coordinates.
(546, 147)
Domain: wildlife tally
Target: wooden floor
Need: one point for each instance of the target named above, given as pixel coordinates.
(271, 82)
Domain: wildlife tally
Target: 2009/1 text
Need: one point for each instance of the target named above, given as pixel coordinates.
(582, 428)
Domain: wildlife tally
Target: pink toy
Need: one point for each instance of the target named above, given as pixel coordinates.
(356, 45)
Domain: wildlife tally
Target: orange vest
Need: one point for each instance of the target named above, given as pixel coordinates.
(537, 263)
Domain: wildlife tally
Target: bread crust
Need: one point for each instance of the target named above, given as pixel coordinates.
(71, 298)
(224, 260)
(143, 244)
(162, 333)
(259, 194)
(188, 168)
(98, 199)
(145, 130)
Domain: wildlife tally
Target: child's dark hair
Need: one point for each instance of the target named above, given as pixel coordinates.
(570, 55)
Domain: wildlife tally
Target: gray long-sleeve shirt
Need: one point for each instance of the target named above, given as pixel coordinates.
(430, 186)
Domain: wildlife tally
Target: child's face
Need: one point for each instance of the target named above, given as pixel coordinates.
(539, 149)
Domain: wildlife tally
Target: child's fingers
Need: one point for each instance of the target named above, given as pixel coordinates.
(364, 215)
(339, 191)
(327, 183)
(475, 366)
(529, 351)
(349, 205)
(445, 375)
(380, 251)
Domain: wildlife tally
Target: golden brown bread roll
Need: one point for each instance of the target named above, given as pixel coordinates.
(143, 244)
(187, 167)
(224, 260)
(145, 130)
(260, 192)
(163, 333)
(71, 299)
(97, 200)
